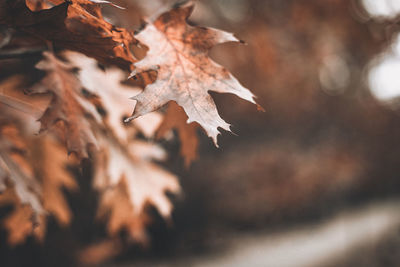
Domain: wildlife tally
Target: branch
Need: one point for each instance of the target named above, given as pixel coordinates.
(21, 52)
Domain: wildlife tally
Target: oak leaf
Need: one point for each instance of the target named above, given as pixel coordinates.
(124, 175)
(67, 106)
(113, 96)
(19, 223)
(116, 205)
(33, 172)
(17, 167)
(147, 182)
(75, 25)
(50, 160)
(179, 54)
(22, 190)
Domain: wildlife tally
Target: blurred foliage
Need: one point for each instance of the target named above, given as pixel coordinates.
(323, 144)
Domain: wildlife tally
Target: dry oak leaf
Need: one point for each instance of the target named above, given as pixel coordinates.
(31, 167)
(116, 205)
(179, 53)
(50, 160)
(146, 182)
(35, 167)
(17, 167)
(66, 106)
(75, 25)
(128, 182)
(19, 223)
(114, 96)
(92, 35)
(175, 118)
(22, 190)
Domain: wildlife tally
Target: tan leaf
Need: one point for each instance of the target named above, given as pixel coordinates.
(146, 182)
(115, 203)
(128, 182)
(18, 169)
(147, 151)
(34, 172)
(179, 53)
(19, 223)
(113, 95)
(123, 174)
(66, 106)
(175, 118)
(50, 160)
(23, 190)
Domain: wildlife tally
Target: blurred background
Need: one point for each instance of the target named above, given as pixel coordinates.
(312, 181)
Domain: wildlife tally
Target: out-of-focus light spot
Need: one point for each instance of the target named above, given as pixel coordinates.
(334, 75)
(384, 77)
(382, 8)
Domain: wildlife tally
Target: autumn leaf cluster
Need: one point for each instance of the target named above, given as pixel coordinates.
(65, 96)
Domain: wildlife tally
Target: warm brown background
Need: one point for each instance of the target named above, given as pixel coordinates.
(324, 145)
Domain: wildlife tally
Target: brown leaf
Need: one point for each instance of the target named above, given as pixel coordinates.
(50, 161)
(179, 53)
(16, 164)
(90, 34)
(19, 223)
(22, 189)
(66, 106)
(116, 205)
(76, 25)
(175, 118)
(124, 175)
(33, 171)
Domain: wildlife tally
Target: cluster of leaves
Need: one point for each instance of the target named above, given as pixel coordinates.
(80, 108)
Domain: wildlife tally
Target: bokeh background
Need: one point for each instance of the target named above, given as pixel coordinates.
(312, 181)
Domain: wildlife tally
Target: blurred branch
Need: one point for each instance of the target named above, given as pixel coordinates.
(21, 52)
